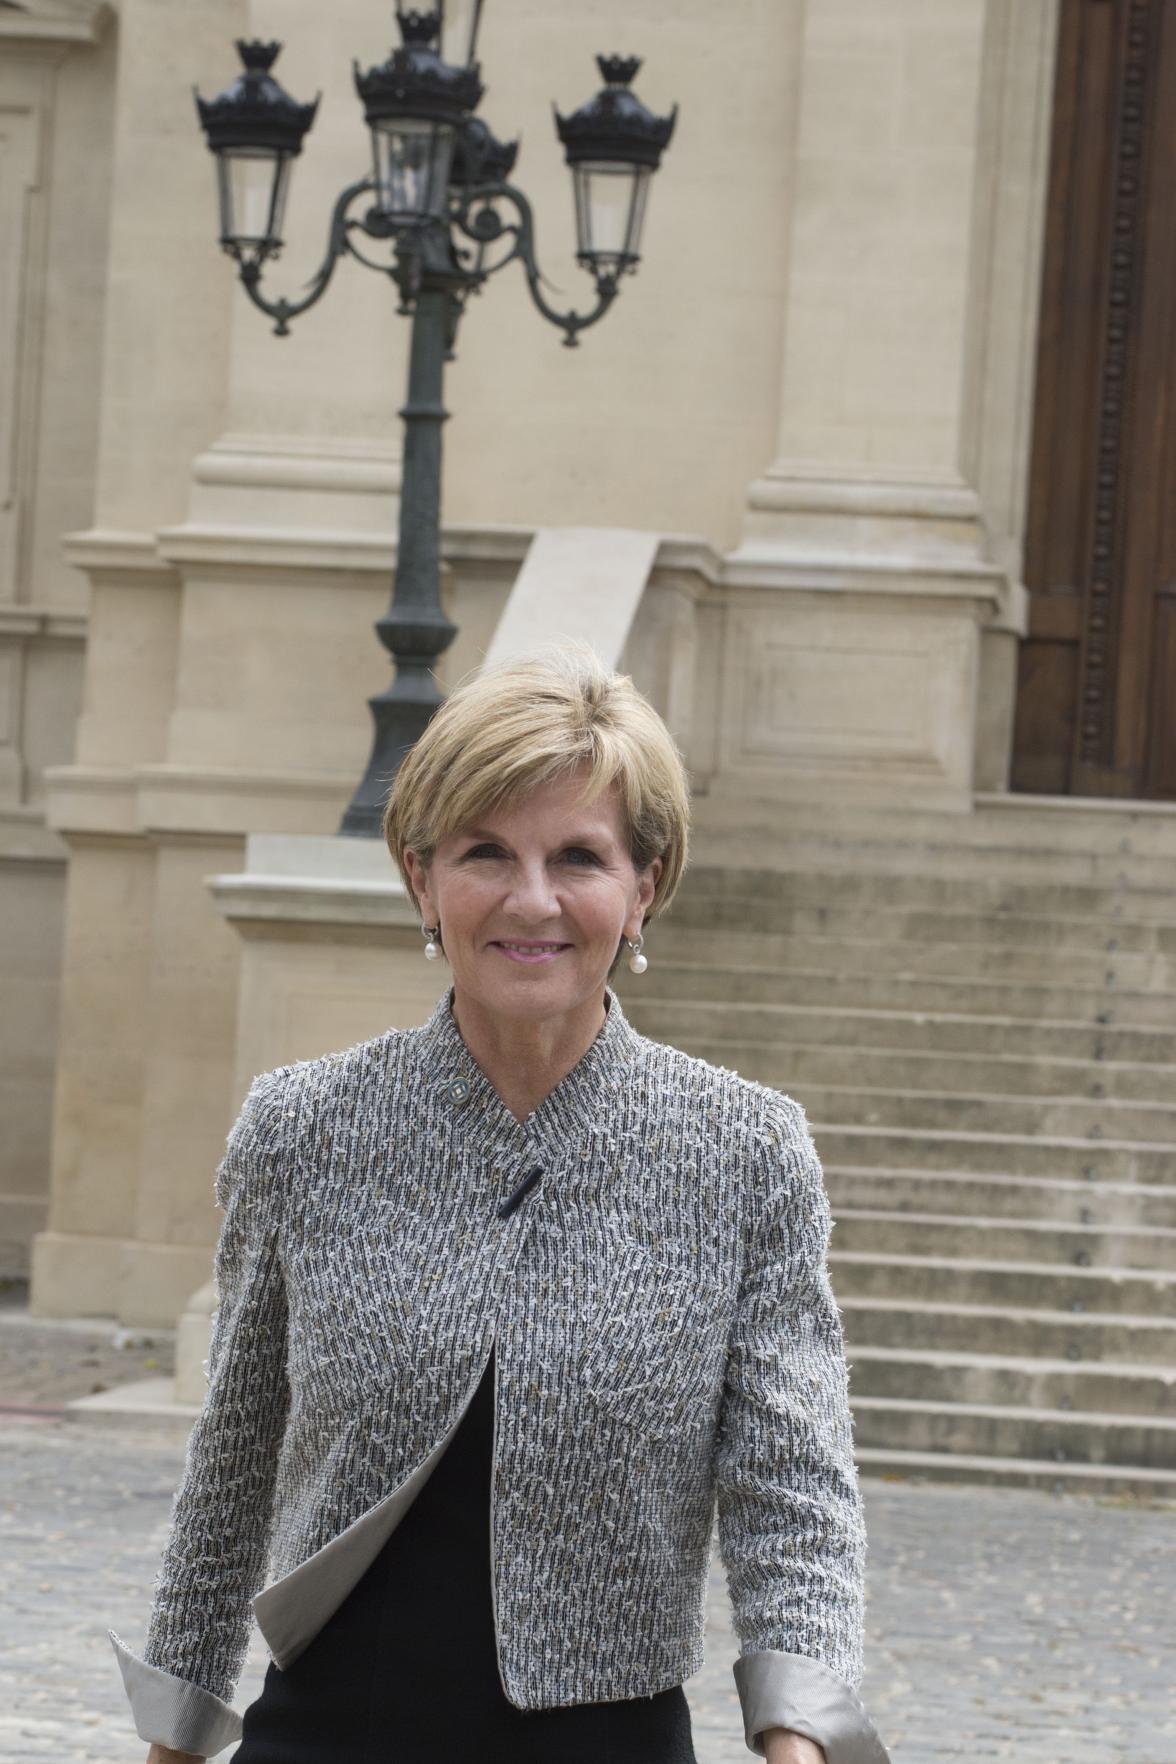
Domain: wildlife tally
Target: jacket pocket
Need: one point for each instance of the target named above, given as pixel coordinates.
(656, 1345)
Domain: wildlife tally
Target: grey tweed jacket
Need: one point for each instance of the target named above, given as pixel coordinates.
(647, 1255)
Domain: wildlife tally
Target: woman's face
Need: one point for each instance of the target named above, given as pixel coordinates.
(534, 900)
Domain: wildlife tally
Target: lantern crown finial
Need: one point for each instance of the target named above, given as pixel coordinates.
(418, 29)
(258, 57)
(618, 70)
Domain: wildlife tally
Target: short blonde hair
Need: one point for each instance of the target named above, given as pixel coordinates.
(508, 729)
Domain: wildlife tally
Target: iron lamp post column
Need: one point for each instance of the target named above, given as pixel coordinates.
(414, 630)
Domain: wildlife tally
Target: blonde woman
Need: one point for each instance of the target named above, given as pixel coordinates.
(509, 1303)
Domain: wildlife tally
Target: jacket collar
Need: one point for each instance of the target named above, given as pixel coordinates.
(589, 1090)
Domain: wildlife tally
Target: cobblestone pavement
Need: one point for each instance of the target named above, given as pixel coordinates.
(1003, 1624)
(44, 1363)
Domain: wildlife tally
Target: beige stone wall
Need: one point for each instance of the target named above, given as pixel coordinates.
(56, 93)
(813, 391)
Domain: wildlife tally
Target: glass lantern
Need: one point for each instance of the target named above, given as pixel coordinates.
(412, 156)
(610, 207)
(415, 105)
(613, 145)
(255, 130)
(252, 183)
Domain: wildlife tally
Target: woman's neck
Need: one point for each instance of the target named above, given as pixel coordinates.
(526, 1058)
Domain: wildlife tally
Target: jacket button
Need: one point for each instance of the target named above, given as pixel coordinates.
(457, 1090)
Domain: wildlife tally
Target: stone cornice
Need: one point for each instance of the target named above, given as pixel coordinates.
(203, 803)
(25, 838)
(155, 558)
(269, 548)
(55, 623)
(298, 463)
(125, 557)
(54, 21)
(345, 883)
(820, 572)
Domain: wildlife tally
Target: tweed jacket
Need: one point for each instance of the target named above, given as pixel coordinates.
(647, 1256)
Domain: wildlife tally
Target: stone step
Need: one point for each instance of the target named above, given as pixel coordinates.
(1124, 1482)
(790, 1065)
(1050, 1117)
(961, 996)
(949, 1193)
(906, 1323)
(865, 1231)
(902, 877)
(986, 1281)
(991, 960)
(998, 821)
(1002, 1154)
(978, 1013)
(896, 924)
(787, 847)
(677, 998)
(933, 1375)
(1010, 1431)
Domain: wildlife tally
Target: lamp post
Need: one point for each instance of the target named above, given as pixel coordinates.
(439, 202)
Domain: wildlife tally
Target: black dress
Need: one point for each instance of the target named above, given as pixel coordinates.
(406, 1671)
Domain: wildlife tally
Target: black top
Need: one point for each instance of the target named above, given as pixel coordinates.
(406, 1671)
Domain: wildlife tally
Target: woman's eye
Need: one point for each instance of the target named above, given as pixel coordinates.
(581, 854)
(484, 850)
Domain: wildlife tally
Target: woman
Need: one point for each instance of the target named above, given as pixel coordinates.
(508, 1303)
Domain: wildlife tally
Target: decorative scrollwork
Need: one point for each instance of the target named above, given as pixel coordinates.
(339, 244)
(475, 214)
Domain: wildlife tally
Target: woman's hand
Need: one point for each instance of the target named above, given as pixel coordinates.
(165, 1755)
(783, 1746)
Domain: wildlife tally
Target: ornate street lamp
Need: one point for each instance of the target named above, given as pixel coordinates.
(255, 129)
(613, 145)
(439, 198)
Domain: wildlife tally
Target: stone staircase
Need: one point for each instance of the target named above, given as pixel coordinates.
(978, 1013)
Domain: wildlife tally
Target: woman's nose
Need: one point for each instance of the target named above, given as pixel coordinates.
(532, 894)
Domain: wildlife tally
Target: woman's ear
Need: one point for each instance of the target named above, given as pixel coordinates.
(418, 876)
(646, 889)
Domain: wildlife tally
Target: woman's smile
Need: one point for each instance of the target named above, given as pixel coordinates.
(530, 952)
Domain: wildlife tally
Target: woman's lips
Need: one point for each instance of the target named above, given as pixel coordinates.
(531, 954)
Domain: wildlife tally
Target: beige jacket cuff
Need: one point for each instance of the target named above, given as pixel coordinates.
(169, 1711)
(793, 1691)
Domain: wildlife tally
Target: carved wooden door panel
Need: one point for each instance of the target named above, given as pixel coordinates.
(1096, 699)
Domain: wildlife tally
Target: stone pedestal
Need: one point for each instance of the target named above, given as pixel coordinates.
(855, 612)
(331, 950)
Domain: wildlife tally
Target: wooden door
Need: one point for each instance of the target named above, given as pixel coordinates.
(1096, 696)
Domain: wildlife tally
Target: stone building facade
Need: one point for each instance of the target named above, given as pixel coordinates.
(816, 396)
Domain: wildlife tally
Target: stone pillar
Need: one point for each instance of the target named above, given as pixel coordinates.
(880, 546)
(163, 375)
(239, 558)
(56, 83)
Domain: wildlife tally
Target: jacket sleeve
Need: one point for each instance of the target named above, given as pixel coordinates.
(217, 1550)
(790, 1516)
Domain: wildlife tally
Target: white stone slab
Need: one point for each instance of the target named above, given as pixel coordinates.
(326, 857)
(576, 583)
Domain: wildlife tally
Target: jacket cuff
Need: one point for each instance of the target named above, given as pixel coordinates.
(169, 1711)
(792, 1690)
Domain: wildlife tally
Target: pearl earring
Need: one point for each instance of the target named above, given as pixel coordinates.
(637, 962)
(432, 947)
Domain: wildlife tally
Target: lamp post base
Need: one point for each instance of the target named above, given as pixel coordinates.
(401, 715)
